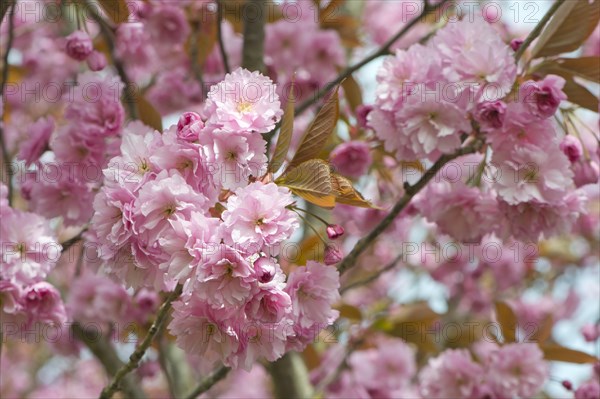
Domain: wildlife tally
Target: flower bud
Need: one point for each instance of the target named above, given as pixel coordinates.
(586, 172)
(265, 269)
(332, 255)
(571, 147)
(568, 385)
(96, 61)
(79, 45)
(590, 332)
(189, 126)
(515, 44)
(334, 231)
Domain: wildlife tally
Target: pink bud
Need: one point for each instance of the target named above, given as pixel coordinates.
(567, 384)
(571, 147)
(362, 111)
(189, 126)
(590, 332)
(515, 44)
(79, 45)
(334, 231)
(265, 269)
(96, 61)
(586, 172)
(332, 255)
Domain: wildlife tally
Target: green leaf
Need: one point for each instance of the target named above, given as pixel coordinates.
(318, 132)
(508, 321)
(117, 10)
(345, 193)
(352, 93)
(285, 134)
(572, 24)
(561, 354)
(311, 180)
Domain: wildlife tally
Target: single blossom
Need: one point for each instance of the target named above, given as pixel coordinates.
(572, 148)
(351, 159)
(257, 215)
(79, 45)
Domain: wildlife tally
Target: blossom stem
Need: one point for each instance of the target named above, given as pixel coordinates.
(306, 222)
(207, 383)
(5, 155)
(106, 354)
(538, 29)
(138, 354)
(372, 277)
(325, 222)
(410, 191)
(254, 35)
(383, 50)
(220, 36)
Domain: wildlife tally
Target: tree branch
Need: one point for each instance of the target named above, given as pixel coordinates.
(138, 354)
(410, 191)
(108, 34)
(372, 277)
(207, 383)
(107, 355)
(254, 14)
(290, 377)
(224, 58)
(538, 29)
(383, 50)
(9, 43)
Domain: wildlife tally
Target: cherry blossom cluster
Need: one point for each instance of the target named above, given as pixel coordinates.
(428, 96)
(29, 252)
(163, 202)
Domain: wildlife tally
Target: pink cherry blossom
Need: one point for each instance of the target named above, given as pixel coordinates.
(79, 45)
(519, 370)
(244, 102)
(351, 159)
(543, 97)
(313, 289)
(38, 140)
(453, 374)
(257, 215)
(589, 390)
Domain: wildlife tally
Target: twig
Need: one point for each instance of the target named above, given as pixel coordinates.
(383, 50)
(9, 43)
(220, 36)
(207, 383)
(254, 36)
(410, 192)
(373, 277)
(108, 357)
(72, 241)
(538, 29)
(109, 37)
(196, 68)
(138, 354)
(167, 366)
